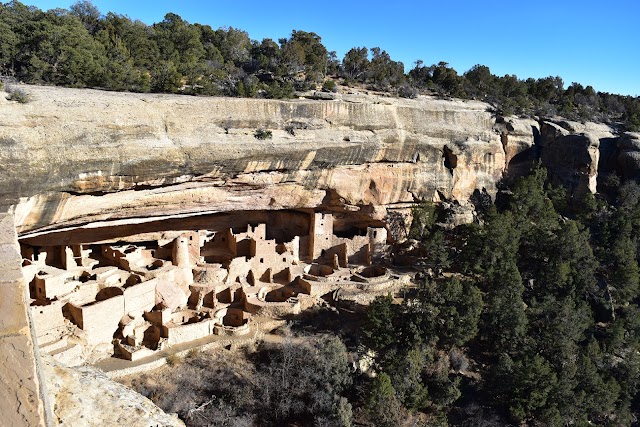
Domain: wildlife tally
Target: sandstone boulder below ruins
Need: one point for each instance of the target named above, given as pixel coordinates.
(85, 396)
(169, 296)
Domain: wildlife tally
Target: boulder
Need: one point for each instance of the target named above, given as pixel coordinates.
(573, 158)
(169, 295)
(86, 396)
(628, 157)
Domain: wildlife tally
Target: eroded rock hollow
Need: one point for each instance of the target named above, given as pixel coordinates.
(80, 157)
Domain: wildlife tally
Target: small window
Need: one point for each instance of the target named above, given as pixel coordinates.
(261, 260)
(284, 260)
(375, 234)
(190, 237)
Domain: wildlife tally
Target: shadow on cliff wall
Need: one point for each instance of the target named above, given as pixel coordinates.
(608, 162)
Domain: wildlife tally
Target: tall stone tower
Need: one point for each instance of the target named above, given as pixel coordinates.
(320, 234)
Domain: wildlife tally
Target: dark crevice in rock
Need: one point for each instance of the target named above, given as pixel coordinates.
(450, 159)
(88, 193)
(504, 139)
(537, 138)
(136, 187)
(502, 125)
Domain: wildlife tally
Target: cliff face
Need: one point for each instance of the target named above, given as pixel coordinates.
(72, 157)
(78, 156)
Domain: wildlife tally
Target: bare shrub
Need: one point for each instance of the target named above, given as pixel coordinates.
(458, 360)
(279, 384)
(303, 382)
(407, 91)
(173, 359)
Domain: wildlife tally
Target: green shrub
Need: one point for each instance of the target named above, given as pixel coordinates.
(330, 86)
(18, 95)
(290, 129)
(263, 134)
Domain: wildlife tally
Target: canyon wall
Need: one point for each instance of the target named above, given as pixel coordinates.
(75, 157)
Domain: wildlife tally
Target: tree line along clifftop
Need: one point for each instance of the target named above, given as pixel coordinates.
(81, 47)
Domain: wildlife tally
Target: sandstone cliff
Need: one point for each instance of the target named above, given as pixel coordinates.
(77, 156)
(73, 157)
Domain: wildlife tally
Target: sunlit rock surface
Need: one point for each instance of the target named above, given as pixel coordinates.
(85, 396)
(73, 157)
(79, 156)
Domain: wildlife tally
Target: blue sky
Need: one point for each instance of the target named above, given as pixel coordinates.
(591, 42)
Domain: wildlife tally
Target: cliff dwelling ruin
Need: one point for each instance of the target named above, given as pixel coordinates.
(207, 234)
(142, 289)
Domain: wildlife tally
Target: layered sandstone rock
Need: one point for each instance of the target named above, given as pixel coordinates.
(518, 137)
(628, 155)
(80, 156)
(77, 157)
(22, 398)
(571, 152)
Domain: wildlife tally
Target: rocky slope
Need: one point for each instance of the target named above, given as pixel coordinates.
(73, 157)
(85, 396)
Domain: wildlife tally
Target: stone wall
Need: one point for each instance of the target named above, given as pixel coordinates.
(46, 319)
(99, 319)
(23, 400)
(188, 332)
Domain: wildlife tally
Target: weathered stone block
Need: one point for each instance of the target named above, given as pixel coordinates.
(20, 404)
(7, 231)
(10, 275)
(13, 311)
(8, 256)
